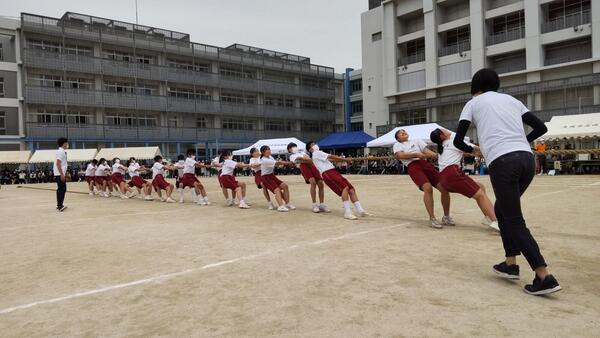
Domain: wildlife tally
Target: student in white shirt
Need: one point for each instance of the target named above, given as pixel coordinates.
(90, 175)
(414, 155)
(228, 179)
(335, 181)
(311, 176)
(217, 164)
(137, 181)
(271, 182)
(499, 120)
(158, 179)
(254, 164)
(59, 169)
(118, 179)
(188, 179)
(103, 179)
(453, 178)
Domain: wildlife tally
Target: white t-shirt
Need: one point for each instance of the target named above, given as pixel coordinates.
(133, 167)
(228, 167)
(267, 165)
(189, 166)
(294, 157)
(451, 155)
(101, 170)
(410, 146)
(90, 170)
(180, 165)
(61, 155)
(321, 162)
(117, 169)
(498, 119)
(157, 169)
(253, 161)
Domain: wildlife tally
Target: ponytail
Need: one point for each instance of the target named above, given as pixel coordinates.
(308, 146)
(436, 138)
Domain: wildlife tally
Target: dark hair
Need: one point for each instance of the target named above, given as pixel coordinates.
(309, 144)
(115, 159)
(61, 141)
(485, 80)
(398, 132)
(252, 150)
(102, 160)
(157, 158)
(224, 153)
(436, 137)
(131, 159)
(263, 149)
(291, 145)
(191, 152)
(94, 161)
(180, 157)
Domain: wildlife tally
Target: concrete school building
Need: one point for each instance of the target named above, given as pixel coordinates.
(419, 57)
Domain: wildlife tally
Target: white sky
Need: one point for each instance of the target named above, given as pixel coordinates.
(327, 31)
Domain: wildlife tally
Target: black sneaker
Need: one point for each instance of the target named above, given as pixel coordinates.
(543, 287)
(63, 208)
(507, 271)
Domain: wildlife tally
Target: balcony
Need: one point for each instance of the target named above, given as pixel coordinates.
(407, 60)
(567, 21)
(504, 36)
(568, 51)
(455, 48)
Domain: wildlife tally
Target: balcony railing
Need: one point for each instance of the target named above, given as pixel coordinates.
(504, 36)
(514, 65)
(571, 20)
(93, 98)
(93, 65)
(140, 134)
(581, 52)
(455, 49)
(407, 60)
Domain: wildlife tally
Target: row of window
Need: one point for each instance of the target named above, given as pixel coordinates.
(2, 123)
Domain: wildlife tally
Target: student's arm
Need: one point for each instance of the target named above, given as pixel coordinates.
(335, 158)
(401, 155)
(429, 154)
(280, 162)
(303, 159)
(242, 165)
(539, 128)
(459, 139)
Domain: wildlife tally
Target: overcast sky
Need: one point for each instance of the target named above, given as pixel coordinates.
(327, 31)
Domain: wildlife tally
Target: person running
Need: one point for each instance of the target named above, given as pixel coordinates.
(59, 169)
(189, 179)
(137, 181)
(158, 179)
(102, 178)
(228, 178)
(414, 154)
(453, 179)
(499, 119)
(311, 176)
(90, 176)
(118, 179)
(271, 182)
(335, 181)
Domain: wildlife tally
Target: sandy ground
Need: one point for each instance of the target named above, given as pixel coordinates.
(109, 267)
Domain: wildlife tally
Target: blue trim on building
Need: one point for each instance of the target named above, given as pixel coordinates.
(347, 94)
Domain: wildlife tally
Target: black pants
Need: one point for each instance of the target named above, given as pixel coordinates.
(511, 174)
(61, 189)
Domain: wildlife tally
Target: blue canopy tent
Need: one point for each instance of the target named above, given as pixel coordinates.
(345, 140)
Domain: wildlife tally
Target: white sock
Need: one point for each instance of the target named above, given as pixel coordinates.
(347, 207)
(358, 207)
(194, 196)
(180, 192)
(205, 198)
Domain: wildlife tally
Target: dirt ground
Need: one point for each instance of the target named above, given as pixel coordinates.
(112, 267)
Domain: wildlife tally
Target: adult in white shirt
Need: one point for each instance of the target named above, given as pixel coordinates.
(90, 175)
(453, 178)
(414, 154)
(335, 181)
(271, 182)
(311, 176)
(499, 119)
(118, 179)
(59, 169)
(134, 169)
(158, 179)
(188, 179)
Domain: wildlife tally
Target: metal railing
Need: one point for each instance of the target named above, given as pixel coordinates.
(493, 4)
(582, 52)
(512, 65)
(507, 35)
(407, 60)
(571, 20)
(455, 49)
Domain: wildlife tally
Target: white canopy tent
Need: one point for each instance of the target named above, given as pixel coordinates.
(140, 153)
(573, 126)
(73, 155)
(278, 146)
(15, 156)
(415, 132)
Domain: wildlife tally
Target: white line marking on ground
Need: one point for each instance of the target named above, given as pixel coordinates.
(189, 271)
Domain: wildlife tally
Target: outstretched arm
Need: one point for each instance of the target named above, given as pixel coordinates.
(335, 158)
(459, 139)
(539, 128)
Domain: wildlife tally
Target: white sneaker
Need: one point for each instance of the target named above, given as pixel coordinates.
(132, 194)
(170, 200)
(291, 207)
(243, 205)
(107, 195)
(350, 216)
(494, 225)
(236, 202)
(363, 214)
(271, 206)
(148, 198)
(123, 197)
(435, 223)
(229, 203)
(206, 201)
(283, 209)
(447, 220)
(486, 221)
(316, 209)
(324, 208)
(201, 202)
(91, 194)
(181, 200)
(162, 199)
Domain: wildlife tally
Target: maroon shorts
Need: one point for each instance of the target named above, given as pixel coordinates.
(159, 182)
(422, 172)
(229, 182)
(117, 178)
(308, 171)
(270, 182)
(336, 181)
(137, 181)
(455, 180)
(100, 179)
(258, 179)
(90, 179)
(188, 180)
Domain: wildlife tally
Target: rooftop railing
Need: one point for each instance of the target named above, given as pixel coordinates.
(455, 48)
(570, 20)
(507, 35)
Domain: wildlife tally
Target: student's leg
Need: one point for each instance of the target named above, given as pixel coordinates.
(242, 185)
(445, 199)
(170, 190)
(61, 189)
(225, 192)
(285, 190)
(321, 191)
(278, 198)
(266, 194)
(484, 203)
(202, 190)
(313, 189)
(428, 198)
(353, 196)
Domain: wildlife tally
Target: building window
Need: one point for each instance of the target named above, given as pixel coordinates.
(312, 126)
(201, 122)
(238, 124)
(312, 104)
(1, 52)
(185, 65)
(174, 122)
(2, 123)
(356, 85)
(120, 119)
(1, 87)
(278, 125)
(50, 117)
(78, 118)
(376, 36)
(147, 121)
(356, 108)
